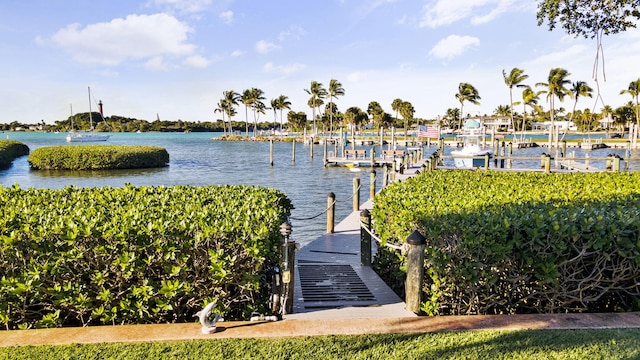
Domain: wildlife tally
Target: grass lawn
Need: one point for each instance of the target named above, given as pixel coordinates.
(538, 344)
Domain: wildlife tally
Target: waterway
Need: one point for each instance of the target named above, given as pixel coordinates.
(196, 159)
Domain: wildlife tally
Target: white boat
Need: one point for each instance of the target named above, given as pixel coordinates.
(473, 152)
(88, 135)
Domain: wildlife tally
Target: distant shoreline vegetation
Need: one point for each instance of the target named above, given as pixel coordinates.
(285, 138)
(98, 157)
(124, 124)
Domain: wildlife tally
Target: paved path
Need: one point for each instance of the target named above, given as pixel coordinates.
(316, 327)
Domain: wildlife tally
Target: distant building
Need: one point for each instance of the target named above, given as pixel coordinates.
(562, 125)
(497, 123)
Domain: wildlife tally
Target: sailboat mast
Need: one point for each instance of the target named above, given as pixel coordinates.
(90, 117)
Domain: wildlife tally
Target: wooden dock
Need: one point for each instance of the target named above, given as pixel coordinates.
(330, 282)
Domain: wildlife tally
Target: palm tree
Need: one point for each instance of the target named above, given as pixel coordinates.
(607, 112)
(231, 99)
(466, 92)
(407, 111)
(247, 99)
(355, 116)
(504, 110)
(231, 112)
(317, 93)
(375, 111)
(256, 97)
(529, 98)
(580, 88)
(280, 103)
(452, 117)
(274, 107)
(258, 108)
(335, 90)
(555, 87)
(395, 106)
(221, 107)
(634, 91)
(514, 78)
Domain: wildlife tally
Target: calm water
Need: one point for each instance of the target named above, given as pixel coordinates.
(197, 160)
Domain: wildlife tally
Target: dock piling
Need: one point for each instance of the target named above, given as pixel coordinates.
(287, 252)
(372, 183)
(271, 152)
(385, 175)
(331, 201)
(325, 158)
(293, 151)
(356, 193)
(547, 163)
(616, 163)
(415, 271)
(365, 238)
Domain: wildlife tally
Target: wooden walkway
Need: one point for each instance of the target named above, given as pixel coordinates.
(330, 282)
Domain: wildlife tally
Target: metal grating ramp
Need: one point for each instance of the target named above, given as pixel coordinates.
(332, 286)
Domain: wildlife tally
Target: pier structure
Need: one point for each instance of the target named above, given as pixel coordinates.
(333, 282)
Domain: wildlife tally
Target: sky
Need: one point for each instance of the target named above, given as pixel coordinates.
(174, 58)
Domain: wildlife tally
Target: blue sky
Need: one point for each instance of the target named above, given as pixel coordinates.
(176, 57)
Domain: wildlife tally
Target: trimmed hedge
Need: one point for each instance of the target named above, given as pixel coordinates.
(132, 255)
(98, 157)
(502, 242)
(9, 150)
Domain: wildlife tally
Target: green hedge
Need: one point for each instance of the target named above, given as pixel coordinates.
(9, 150)
(518, 242)
(98, 157)
(135, 254)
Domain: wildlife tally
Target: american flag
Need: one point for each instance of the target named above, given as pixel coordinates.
(425, 131)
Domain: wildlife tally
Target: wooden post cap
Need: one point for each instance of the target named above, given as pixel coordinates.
(415, 238)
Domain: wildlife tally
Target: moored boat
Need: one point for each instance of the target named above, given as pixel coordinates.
(473, 153)
(88, 135)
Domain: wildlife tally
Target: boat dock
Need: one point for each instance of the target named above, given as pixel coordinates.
(331, 283)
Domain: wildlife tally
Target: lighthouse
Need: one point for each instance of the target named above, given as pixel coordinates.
(100, 108)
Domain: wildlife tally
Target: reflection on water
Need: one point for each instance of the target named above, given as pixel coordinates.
(197, 160)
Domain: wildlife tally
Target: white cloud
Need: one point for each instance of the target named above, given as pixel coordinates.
(134, 37)
(197, 61)
(264, 46)
(156, 64)
(226, 17)
(236, 53)
(444, 12)
(293, 32)
(453, 45)
(186, 6)
(370, 6)
(283, 69)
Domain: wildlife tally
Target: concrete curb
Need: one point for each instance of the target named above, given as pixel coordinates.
(318, 327)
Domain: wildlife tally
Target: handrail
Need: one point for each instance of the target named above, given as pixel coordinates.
(377, 239)
(328, 208)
